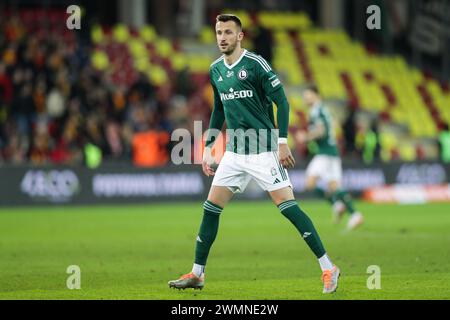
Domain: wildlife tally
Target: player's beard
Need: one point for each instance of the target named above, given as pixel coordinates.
(231, 47)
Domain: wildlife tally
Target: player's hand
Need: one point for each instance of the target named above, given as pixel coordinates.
(207, 162)
(300, 137)
(286, 158)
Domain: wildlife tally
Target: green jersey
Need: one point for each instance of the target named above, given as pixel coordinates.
(327, 143)
(244, 91)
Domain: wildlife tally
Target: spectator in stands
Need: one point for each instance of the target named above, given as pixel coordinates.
(350, 132)
(114, 141)
(15, 151)
(68, 149)
(23, 108)
(14, 29)
(371, 149)
(163, 105)
(55, 104)
(94, 131)
(40, 149)
(40, 94)
(444, 144)
(6, 87)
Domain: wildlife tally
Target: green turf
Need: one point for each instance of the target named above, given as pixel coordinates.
(130, 252)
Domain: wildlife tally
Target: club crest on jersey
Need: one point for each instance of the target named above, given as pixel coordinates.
(243, 74)
(230, 73)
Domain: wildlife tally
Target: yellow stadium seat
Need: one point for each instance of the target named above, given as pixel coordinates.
(121, 33)
(157, 75)
(163, 47)
(142, 64)
(407, 152)
(137, 49)
(179, 62)
(97, 34)
(148, 34)
(207, 35)
(100, 60)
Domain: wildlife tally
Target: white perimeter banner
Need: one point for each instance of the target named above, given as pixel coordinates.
(408, 194)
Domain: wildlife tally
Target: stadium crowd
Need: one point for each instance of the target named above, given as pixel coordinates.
(53, 103)
(57, 108)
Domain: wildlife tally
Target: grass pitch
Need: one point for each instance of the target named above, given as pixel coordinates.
(131, 251)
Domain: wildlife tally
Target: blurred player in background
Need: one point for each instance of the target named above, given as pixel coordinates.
(244, 87)
(324, 172)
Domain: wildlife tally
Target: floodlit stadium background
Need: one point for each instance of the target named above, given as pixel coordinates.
(109, 95)
(86, 115)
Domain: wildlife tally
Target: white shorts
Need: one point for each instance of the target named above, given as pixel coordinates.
(327, 168)
(236, 170)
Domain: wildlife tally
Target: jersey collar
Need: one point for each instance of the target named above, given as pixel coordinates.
(236, 62)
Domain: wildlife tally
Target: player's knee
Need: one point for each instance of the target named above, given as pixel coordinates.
(212, 208)
(218, 199)
(219, 196)
(282, 200)
(333, 187)
(310, 184)
(282, 195)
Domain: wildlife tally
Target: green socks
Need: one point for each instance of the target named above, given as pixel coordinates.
(304, 225)
(290, 209)
(345, 197)
(322, 194)
(208, 231)
(339, 195)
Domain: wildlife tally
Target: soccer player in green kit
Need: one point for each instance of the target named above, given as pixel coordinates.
(326, 164)
(244, 87)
